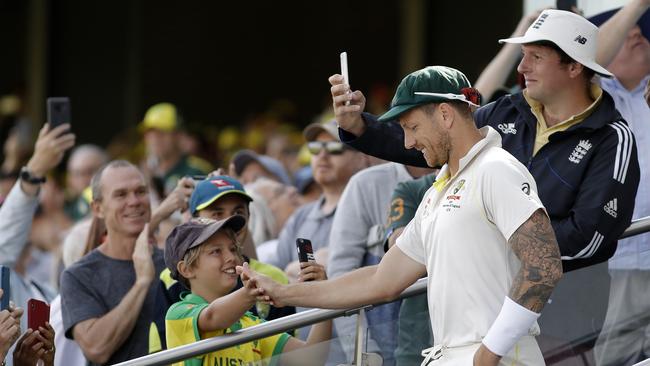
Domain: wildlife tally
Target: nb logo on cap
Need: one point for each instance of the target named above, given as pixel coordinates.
(580, 39)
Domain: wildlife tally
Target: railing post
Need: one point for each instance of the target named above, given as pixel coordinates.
(358, 349)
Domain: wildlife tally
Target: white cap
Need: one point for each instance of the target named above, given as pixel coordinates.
(575, 35)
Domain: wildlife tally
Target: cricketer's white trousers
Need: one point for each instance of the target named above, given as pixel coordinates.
(526, 352)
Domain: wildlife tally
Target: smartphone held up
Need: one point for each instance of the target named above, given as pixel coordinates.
(38, 313)
(58, 111)
(305, 251)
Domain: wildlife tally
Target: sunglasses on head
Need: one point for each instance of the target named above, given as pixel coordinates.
(331, 147)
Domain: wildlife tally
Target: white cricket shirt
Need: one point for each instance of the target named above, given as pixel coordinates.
(460, 233)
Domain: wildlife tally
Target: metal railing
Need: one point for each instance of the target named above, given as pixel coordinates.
(295, 321)
(259, 331)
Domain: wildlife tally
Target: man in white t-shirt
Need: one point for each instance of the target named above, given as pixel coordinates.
(481, 234)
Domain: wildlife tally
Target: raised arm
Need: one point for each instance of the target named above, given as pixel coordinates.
(18, 209)
(361, 130)
(497, 71)
(612, 33)
(225, 311)
(347, 106)
(177, 200)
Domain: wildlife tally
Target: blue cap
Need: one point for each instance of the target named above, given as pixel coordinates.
(643, 23)
(211, 189)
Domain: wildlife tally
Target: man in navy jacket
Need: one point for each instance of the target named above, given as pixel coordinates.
(564, 128)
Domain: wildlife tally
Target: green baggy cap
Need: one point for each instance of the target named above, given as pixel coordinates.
(433, 84)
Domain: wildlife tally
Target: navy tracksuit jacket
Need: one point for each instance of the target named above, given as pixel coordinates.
(587, 176)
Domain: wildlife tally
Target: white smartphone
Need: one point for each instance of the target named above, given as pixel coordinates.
(344, 67)
(344, 70)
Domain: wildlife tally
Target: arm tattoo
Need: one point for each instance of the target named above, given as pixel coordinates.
(535, 245)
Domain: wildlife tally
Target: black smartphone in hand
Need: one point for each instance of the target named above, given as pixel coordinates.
(58, 111)
(305, 251)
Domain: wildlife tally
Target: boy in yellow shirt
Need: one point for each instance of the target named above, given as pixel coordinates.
(202, 254)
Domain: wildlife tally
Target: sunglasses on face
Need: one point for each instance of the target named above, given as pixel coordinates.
(331, 147)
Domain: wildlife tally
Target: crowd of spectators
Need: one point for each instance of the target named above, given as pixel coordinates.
(134, 246)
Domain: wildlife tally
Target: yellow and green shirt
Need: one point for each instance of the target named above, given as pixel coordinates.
(182, 328)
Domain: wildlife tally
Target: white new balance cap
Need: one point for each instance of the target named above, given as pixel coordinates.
(575, 35)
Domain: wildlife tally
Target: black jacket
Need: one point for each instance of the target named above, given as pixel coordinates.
(587, 176)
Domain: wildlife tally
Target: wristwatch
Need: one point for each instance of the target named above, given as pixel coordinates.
(28, 177)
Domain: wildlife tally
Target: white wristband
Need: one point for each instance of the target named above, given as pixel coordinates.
(512, 323)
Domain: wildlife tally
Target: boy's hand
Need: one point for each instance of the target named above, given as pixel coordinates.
(254, 292)
(311, 271)
(265, 286)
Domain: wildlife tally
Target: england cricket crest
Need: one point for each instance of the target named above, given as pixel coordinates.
(580, 151)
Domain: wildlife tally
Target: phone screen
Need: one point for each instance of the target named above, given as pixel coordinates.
(58, 111)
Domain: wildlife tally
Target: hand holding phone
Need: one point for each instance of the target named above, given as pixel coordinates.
(38, 312)
(6, 288)
(58, 111)
(305, 251)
